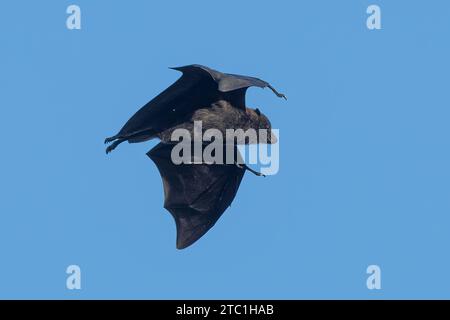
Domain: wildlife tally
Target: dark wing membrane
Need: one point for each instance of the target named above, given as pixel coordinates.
(233, 86)
(195, 194)
(232, 82)
(198, 87)
(193, 90)
(229, 82)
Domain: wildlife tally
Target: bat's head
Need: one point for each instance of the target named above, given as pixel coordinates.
(262, 122)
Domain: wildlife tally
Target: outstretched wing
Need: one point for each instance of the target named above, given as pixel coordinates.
(196, 194)
(198, 87)
(194, 89)
(232, 86)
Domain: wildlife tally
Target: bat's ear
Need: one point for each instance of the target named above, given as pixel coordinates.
(258, 112)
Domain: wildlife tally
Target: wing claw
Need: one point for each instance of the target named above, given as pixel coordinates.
(279, 95)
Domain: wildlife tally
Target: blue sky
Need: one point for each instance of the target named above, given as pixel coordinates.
(364, 170)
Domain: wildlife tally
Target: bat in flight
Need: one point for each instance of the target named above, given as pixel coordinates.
(197, 192)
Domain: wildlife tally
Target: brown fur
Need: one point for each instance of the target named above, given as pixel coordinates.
(221, 115)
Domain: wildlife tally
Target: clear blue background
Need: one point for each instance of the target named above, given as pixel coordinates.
(364, 175)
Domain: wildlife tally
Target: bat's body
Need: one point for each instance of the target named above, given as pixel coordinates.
(221, 115)
(198, 193)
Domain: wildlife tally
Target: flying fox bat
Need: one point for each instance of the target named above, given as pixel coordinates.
(197, 193)
(198, 87)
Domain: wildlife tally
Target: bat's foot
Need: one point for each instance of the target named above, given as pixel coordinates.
(114, 145)
(245, 167)
(256, 173)
(110, 139)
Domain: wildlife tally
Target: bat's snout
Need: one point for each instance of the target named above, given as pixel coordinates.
(272, 138)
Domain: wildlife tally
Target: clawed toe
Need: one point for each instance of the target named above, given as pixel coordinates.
(109, 140)
(114, 145)
(109, 149)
